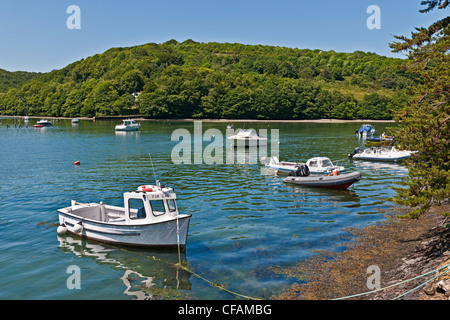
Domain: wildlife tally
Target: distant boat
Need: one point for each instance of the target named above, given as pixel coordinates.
(128, 125)
(365, 130)
(380, 154)
(44, 122)
(248, 138)
(74, 121)
(230, 126)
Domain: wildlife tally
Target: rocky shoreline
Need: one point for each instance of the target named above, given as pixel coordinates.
(401, 248)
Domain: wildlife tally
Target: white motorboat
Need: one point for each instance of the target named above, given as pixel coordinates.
(44, 122)
(128, 125)
(149, 218)
(381, 154)
(248, 138)
(322, 165)
(283, 167)
(74, 121)
(314, 165)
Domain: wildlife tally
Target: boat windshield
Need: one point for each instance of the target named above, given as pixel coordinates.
(326, 163)
(157, 207)
(313, 163)
(171, 204)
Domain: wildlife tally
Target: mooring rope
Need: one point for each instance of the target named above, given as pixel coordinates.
(402, 282)
(181, 266)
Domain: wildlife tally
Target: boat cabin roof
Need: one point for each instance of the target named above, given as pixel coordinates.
(152, 192)
(247, 132)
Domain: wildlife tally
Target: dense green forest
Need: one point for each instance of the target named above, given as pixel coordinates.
(217, 80)
(14, 79)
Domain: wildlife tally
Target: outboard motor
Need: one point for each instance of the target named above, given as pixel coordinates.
(302, 171)
(357, 150)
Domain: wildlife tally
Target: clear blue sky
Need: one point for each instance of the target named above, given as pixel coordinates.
(34, 35)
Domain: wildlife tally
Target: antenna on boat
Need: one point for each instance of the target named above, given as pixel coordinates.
(156, 181)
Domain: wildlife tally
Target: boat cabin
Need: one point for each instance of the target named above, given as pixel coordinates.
(322, 165)
(149, 203)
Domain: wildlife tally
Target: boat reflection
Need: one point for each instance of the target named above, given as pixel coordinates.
(147, 273)
(379, 166)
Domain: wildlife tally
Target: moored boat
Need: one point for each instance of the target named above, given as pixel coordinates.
(247, 138)
(365, 130)
(128, 125)
(380, 154)
(338, 181)
(283, 167)
(44, 122)
(149, 218)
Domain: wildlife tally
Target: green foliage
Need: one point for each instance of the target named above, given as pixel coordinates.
(425, 125)
(214, 80)
(14, 79)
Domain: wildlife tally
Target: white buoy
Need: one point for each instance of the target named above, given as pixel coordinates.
(78, 228)
(62, 229)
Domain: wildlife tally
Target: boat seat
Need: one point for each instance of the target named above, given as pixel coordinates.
(115, 217)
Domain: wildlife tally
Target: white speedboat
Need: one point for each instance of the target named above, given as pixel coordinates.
(380, 154)
(44, 122)
(128, 125)
(322, 165)
(149, 218)
(248, 138)
(283, 167)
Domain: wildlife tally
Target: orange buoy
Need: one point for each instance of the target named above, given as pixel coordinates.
(77, 163)
(147, 188)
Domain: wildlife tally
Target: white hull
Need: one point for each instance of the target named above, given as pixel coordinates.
(160, 234)
(380, 154)
(127, 125)
(242, 142)
(126, 128)
(392, 158)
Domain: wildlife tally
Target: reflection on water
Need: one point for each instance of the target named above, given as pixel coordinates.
(154, 268)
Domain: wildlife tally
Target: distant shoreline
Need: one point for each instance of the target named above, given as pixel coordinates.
(140, 118)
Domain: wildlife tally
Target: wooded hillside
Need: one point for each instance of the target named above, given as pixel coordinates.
(217, 80)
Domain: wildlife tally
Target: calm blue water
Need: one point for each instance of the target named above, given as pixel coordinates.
(244, 219)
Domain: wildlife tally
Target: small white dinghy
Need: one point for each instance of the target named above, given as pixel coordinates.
(149, 218)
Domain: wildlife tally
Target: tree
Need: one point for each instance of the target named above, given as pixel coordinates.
(424, 120)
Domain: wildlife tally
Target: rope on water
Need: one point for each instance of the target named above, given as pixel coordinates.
(181, 266)
(402, 282)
